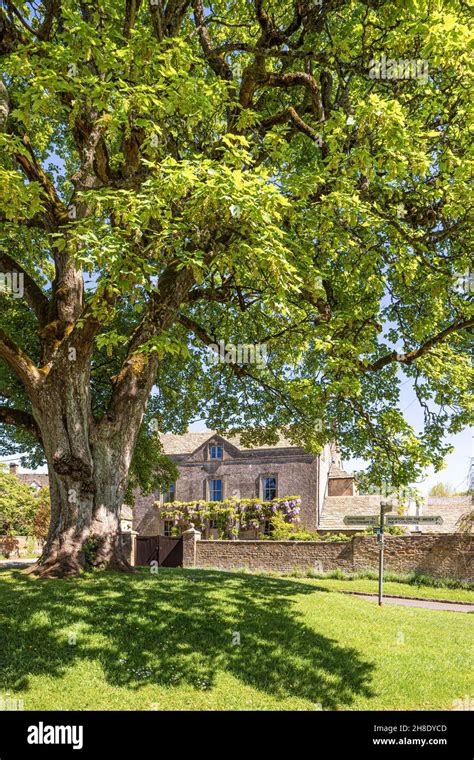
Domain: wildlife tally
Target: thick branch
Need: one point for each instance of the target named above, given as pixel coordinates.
(52, 9)
(16, 12)
(300, 78)
(410, 356)
(321, 304)
(137, 374)
(4, 105)
(156, 12)
(20, 363)
(34, 296)
(57, 211)
(131, 10)
(19, 419)
(43, 31)
(10, 36)
(216, 60)
(271, 34)
(221, 295)
(290, 114)
(88, 135)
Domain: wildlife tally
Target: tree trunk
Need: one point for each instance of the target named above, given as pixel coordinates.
(86, 499)
(85, 521)
(88, 465)
(88, 459)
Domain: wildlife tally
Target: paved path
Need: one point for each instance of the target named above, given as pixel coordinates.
(427, 604)
(9, 563)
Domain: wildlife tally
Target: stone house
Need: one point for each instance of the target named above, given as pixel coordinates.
(213, 467)
(33, 479)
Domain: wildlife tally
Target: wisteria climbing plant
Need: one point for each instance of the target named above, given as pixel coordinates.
(230, 516)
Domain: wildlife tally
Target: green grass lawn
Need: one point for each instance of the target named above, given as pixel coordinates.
(168, 641)
(369, 586)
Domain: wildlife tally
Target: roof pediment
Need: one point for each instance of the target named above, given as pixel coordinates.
(220, 441)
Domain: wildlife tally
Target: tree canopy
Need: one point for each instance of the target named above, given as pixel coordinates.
(175, 174)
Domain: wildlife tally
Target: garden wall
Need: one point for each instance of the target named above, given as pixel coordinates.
(275, 555)
(20, 546)
(442, 555)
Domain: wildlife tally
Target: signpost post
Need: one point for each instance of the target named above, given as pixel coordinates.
(385, 506)
(380, 522)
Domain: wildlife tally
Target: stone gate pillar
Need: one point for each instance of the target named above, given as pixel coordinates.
(190, 537)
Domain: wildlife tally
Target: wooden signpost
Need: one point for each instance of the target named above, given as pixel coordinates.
(415, 520)
(380, 523)
(361, 520)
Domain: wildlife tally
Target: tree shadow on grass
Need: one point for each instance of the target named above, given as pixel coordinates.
(175, 627)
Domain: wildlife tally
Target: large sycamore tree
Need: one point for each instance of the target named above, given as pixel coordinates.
(286, 173)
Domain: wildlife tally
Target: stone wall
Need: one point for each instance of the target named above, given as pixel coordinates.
(129, 545)
(19, 546)
(443, 556)
(280, 556)
(191, 538)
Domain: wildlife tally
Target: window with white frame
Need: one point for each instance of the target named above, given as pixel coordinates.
(269, 487)
(215, 490)
(215, 452)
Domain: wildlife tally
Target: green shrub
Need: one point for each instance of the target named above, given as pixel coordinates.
(90, 550)
(284, 531)
(413, 579)
(337, 575)
(18, 505)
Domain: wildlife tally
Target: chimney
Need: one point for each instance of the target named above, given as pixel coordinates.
(13, 468)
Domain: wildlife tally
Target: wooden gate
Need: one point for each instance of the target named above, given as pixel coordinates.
(167, 552)
(146, 550)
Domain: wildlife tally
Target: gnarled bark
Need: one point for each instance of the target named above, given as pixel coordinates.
(88, 463)
(88, 471)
